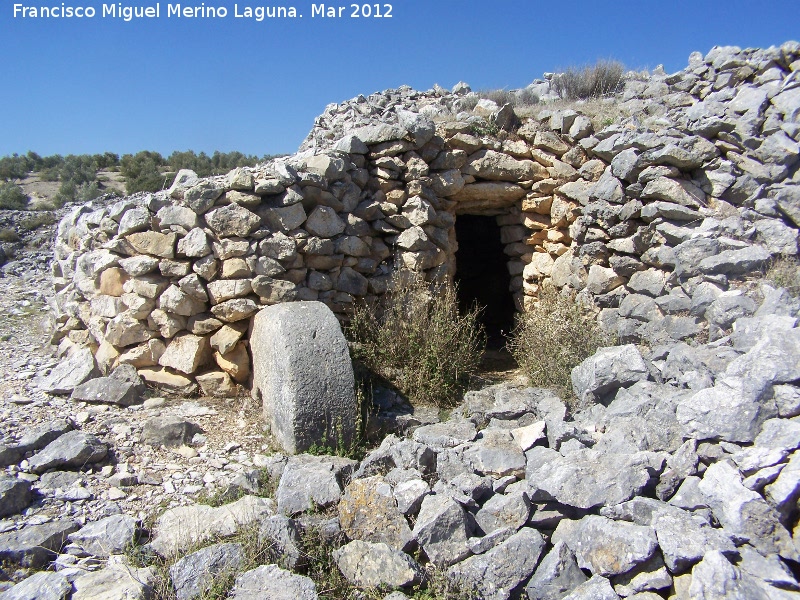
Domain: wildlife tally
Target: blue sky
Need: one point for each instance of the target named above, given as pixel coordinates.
(96, 85)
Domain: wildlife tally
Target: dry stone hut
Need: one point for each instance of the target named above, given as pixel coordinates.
(699, 185)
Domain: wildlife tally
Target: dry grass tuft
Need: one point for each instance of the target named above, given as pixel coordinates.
(785, 272)
(553, 338)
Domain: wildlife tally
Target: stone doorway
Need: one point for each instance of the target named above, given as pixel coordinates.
(482, 275)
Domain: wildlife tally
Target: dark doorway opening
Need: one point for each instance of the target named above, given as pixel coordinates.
(482, 275)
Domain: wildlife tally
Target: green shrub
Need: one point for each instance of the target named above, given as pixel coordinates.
(72, 192)
(416, 339)
(554, 337)
(142, 172)
(592, 81)
(12, 197)
(785, 272)
(8, 235)
(37, 220)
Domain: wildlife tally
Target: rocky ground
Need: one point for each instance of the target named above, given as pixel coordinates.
(675, 474)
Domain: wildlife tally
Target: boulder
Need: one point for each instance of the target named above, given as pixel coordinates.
(495, 574)
(608, 370)
(106, 536)
(376, 565)
(270, 581)
(15, 495)
(310, 482)
(44, 585)
(73, 449)
(69, 373)
(303, 375)
(195, 574)
(35, 545)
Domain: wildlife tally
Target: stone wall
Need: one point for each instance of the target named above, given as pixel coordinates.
(700, 185)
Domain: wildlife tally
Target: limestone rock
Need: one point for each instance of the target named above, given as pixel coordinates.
(35, 545)
(44, 585)
(187, 526)
(114, 582)
(110, 535)
(70, 373)
(15, 495)
(369, 512)
(194, 574)
(556, 575)
(608, 370)
(303, 375)
(312, 481)
(73, 449)
(232, 220)
(186, 353)
(376, 565)
(495, 574)
(270, 581)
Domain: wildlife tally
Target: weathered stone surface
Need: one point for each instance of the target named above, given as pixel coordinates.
(491, 165)
(44, 585)
(607, 547)
(194, 244)
(110, 535)
(270, 581)
(186, 526)
(556, 575)
(73, 449)
(495, 453)
(168, 431)
(115, 582)
(35, 545)
(312, 481)
(194, 574)
(324, 222)
(283, 536)
(376, 565)
(597, 588)
(716, 578)
(446, 435)
(38, 437)
(684, 539)
(232, 220)
(732, 411)
(504, 511)
(109, 390)
(442, 529)
(303, 375)
(495, 574)
(186, 353)
(15, 495)
(744, 513)
(608, 370)
(70, 373)
(153, 243)
(368, 511)
(234, 310)
(588, 478)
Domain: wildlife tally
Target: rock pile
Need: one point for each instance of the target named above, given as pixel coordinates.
(702, 190)
(677, 480)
